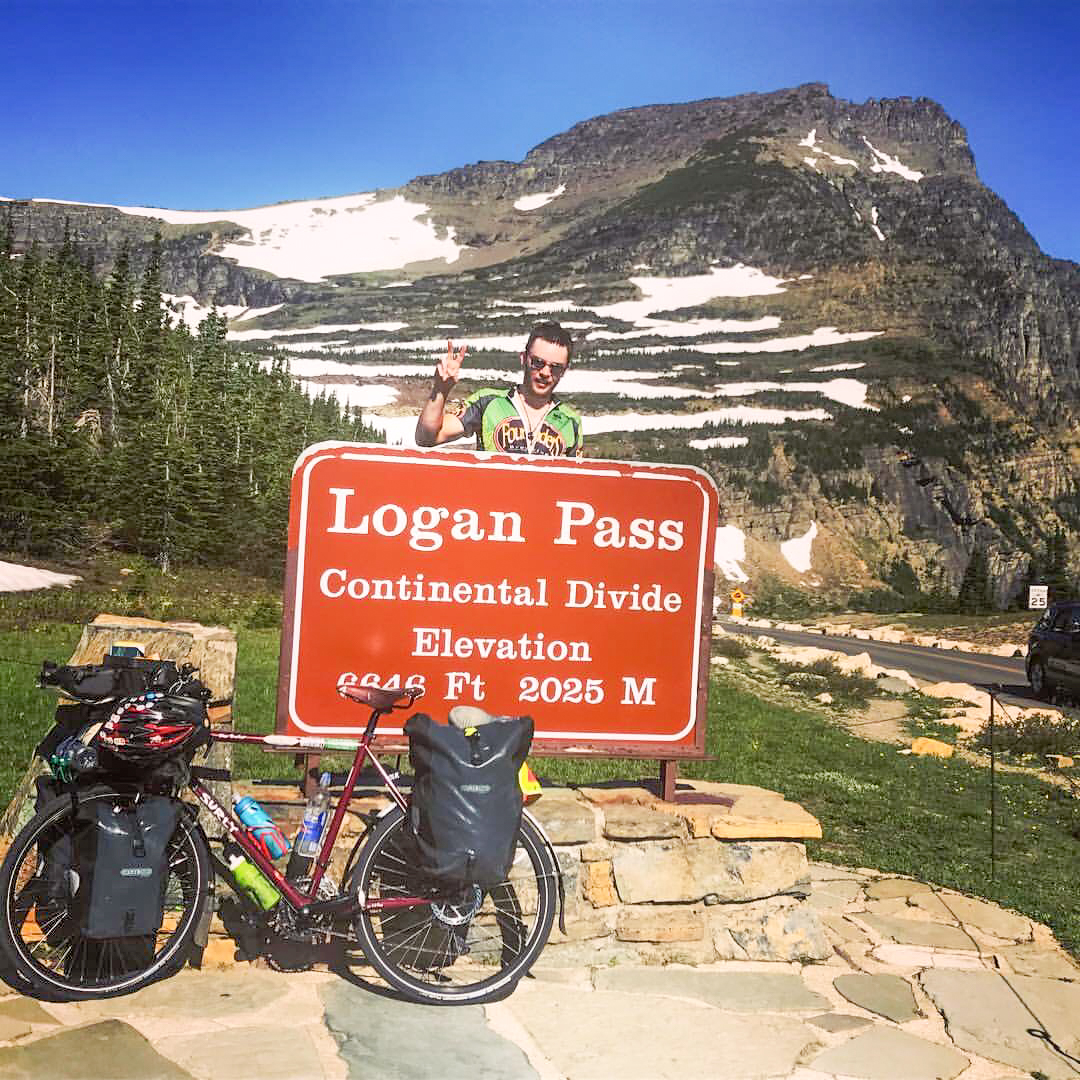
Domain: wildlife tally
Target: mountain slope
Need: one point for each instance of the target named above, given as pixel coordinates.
(906, 360)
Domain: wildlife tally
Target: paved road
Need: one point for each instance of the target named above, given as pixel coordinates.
(934, 665)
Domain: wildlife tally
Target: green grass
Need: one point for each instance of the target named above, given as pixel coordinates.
(27, 712)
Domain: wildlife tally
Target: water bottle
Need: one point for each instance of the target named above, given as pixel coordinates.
(306, 845)
(71, 757)
(261, 827)
(247, 876)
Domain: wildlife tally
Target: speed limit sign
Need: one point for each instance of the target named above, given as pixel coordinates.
(1037, 596)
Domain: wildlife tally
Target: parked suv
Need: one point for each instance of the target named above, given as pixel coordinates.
(1054, 650)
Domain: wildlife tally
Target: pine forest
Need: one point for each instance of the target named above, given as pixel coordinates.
(120, 431)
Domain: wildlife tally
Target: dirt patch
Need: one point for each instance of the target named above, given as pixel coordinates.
(881, 720)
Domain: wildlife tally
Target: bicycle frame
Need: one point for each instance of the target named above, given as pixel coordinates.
(304, 903)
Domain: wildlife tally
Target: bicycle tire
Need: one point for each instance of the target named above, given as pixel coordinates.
(51, 957)
(428, 957)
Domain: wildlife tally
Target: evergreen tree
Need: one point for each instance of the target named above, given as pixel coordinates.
(974, 595)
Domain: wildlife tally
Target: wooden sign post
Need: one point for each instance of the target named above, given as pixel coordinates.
(577, 592)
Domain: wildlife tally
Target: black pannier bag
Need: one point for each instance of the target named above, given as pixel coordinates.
(121, 859)
(466, 803)
(58, 856)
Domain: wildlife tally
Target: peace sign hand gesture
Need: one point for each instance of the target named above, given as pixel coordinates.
(447, 371)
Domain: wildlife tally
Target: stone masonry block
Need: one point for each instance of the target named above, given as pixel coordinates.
(595, 851)
(629, 822)
(565, 816)
(748, 870)
(654, 871)
(598, 885)
(654, 922)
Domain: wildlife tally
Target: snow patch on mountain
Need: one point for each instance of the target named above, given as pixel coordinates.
(366, 396)
(730, 551)
(797, 550)
(16, 578)
(811, 143)
(838, 367)
(671, 294)
(689, 328)
(886, 163)
(736, 414)
(724, 442)
(534, 202)
(191, 313)
(823, 335)
(845, 391)
(535, 307)
(317, 238)
(873, 223)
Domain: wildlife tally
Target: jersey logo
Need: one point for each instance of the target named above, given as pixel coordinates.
(509, 436)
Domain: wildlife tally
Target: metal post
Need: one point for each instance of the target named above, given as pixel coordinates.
(669, 775)
(993, 795)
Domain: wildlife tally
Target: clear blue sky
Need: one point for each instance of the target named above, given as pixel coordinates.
(197, 105)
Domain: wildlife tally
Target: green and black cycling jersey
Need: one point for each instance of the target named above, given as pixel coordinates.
(494, 418)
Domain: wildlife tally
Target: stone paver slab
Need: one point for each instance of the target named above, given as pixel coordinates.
(110, 1049)
(920, 956)
(600, 1035)
(833, 895)
(887, 995)
(736, 991)
(991, 1014)
(27, 1010)
(844, 929)
(270, 1052)
(891, 888)
(912, 932)
(10, 1028)
(397, 1040)
(196, 995)
(1040, 960)
(839, 1022)
(987, 917)
(888, 1054)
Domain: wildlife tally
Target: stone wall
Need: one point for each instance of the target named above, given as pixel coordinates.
(687, 882)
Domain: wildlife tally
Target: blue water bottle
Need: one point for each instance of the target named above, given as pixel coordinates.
(261, 827)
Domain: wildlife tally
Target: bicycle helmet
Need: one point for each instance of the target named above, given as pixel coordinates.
(154, 725)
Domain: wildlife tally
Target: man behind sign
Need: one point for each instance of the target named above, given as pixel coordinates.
(526, 419)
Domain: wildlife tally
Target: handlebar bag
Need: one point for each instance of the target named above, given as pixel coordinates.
(121, 860)
(465, 809)
(117, 677)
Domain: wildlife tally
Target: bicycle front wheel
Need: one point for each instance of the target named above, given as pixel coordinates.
(466, 947)
(41, 935)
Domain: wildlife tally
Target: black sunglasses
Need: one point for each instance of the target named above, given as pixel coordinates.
(538, 364)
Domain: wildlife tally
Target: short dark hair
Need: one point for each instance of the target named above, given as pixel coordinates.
(553, 332)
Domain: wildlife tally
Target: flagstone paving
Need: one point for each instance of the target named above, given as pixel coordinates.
(922, 983)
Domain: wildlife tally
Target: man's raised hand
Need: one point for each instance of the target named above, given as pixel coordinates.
(448, 370)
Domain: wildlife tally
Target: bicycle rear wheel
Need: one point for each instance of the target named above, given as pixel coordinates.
(41, 936)
(467, 947)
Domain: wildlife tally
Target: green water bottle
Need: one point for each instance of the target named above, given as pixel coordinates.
(247, 875)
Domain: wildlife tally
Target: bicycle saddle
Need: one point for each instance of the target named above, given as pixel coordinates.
(381, 698)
